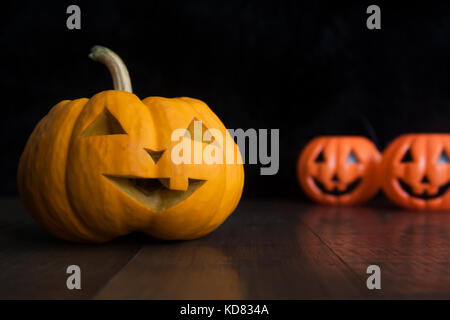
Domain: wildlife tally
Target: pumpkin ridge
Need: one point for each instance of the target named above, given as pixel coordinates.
(149, 229)
(107, 235)
(87, 227)
(24, 163)
(211, 224)
(193, 105)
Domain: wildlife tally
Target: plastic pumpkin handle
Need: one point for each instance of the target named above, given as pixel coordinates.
(115, 65)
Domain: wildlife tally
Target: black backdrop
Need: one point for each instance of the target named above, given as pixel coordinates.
(305, 67)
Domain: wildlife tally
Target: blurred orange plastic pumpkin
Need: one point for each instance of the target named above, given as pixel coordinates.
(94, 169)
(339, 170)
(416, 171)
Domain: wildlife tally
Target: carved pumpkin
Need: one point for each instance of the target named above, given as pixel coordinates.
(339, 170)
(94, 169)
(416, 171)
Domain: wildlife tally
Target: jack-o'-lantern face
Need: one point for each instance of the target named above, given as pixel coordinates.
(112, 170)
(119, 126)
(339, 170)
(95, 169)
(416, 169)
(146, 171)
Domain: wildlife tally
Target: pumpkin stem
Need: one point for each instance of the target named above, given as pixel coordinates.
(119, 72)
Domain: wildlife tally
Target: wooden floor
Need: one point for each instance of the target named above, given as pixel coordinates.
(265, 250)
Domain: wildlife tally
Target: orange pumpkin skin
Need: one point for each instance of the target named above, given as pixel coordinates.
(85, 185)
(416, 171)
(339, 170)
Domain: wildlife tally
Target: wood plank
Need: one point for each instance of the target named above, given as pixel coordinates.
(33, 263)
(265, 250)
(262, 252)
(411, 248)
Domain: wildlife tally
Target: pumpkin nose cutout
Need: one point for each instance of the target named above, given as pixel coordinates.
(335, 178)
(156, 155)
(425, 179)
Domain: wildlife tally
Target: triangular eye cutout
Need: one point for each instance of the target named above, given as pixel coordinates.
(320, 157)
(407, 157)
(104, 124)
(156, 155)
(195, 123)
(443, 158)
(352, 158)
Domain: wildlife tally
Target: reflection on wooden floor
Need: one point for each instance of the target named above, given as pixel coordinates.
(266, 250)
(412, 248)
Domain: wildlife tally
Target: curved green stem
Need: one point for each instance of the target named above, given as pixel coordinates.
(119, 71)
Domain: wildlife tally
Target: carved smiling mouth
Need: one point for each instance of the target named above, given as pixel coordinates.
(153, 192)
(335, 192)
(424, 196)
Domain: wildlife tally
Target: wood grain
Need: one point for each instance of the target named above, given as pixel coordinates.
(261, 252)
(33, 263)
(265, 250)
(411, 248)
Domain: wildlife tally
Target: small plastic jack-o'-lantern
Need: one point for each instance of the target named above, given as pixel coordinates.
(416, 171)
(339, 170)
(94, 169)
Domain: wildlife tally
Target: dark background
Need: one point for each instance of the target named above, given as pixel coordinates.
(305, 67)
